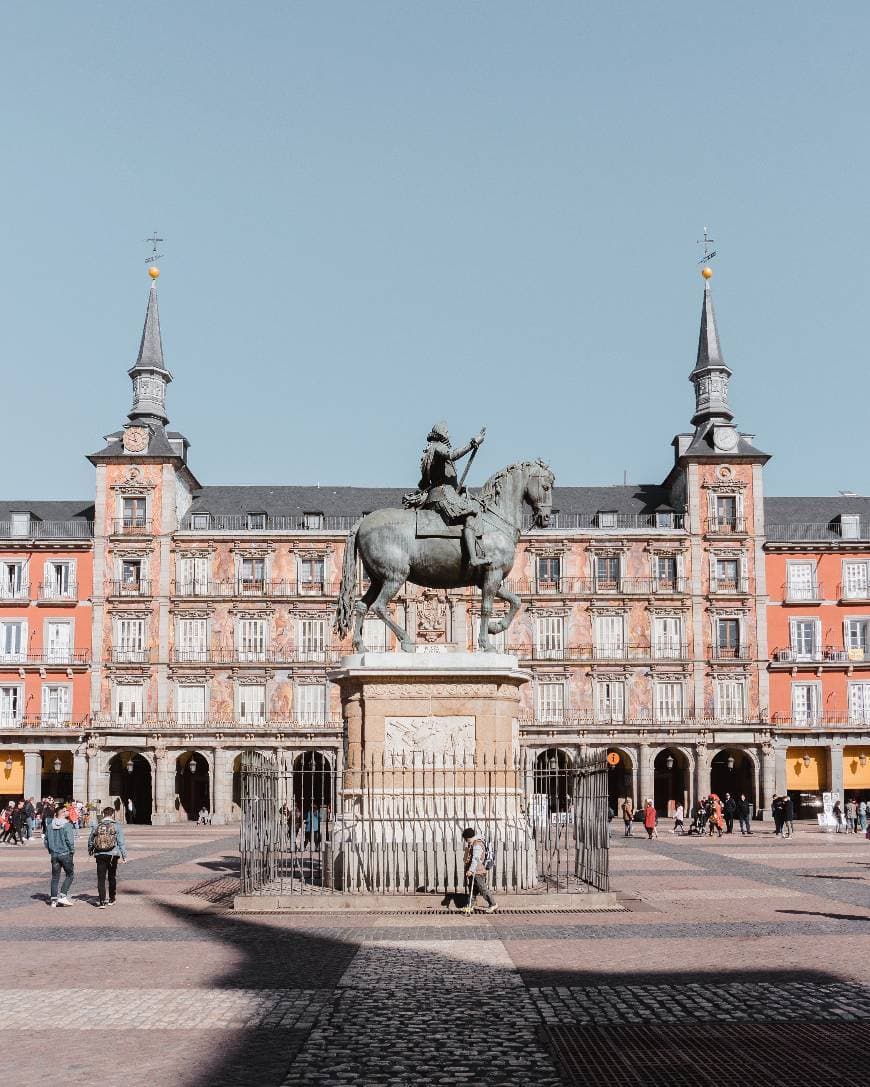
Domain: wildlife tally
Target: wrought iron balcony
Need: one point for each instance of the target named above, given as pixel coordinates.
(274, 655)
(573, 720)
(665, 650)
(50, 592)
(131, 526)
(130, 588)
(726, 526)
(120, 655)
(584, 586)
(729, 586)
(43, 721)
(48, 658)
(14, 594)
(802, 594)
(242, 523)
(618, 522)
(255, 587)
(273, 721)
(832, 719)
(789, 657)
(817, 532)
(854, 592)
(74, 529)
(729, 652)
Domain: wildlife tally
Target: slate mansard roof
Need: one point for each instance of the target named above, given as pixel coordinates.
(39, 510)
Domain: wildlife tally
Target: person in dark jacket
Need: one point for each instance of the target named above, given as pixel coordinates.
(729, 809)
(777, 809)
(743, 813)
(788, 813)
(106, 844)
(60, 841)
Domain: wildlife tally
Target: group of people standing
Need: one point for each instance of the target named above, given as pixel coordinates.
(857, 817)
(711, 815)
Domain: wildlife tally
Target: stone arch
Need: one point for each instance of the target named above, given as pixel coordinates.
(552, 779)
(673, 767)
(193, 783)
(741, 777)
(313, 788)
(621, 777)
(131, 785)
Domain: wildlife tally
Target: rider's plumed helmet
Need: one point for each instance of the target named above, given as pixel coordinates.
(439, 432)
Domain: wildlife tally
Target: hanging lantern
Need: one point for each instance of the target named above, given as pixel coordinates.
(807, 759)
(57, 766)
(191, 766)
(9, 764)
(730, 762)
(669, 762)
(862, 759)
(129, 765)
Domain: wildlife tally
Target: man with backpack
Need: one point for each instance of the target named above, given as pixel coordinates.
(478, 859)
(106, 844)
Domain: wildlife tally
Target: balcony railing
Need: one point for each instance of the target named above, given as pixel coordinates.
(726, 526)
(296, 523)
(255, 587)
(620, 522)
(131, 526)
(584, 586)
(580, 719)
(853, 592)
(834, 719)
(130, 588)
(665, 650)
(729, 653)
(130, 656)
(14, 594)
(823, 654)
(802, 594)
(74, 529)
(299, 719)
(274, 655)
(816, 532)
(50, 658)
(51, 592)
(47, 720)
(729, 586)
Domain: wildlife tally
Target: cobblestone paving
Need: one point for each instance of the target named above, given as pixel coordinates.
(757, 936)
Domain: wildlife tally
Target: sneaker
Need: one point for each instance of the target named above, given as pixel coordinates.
(101, 905)
(492, 908)
(111, 902)
(64, 901)
(53, 903)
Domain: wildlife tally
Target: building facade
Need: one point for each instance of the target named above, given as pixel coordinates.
(202, 623)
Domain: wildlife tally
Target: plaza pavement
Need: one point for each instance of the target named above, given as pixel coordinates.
(729, 959)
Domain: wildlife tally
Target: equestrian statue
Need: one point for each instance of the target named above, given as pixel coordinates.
(444, 538)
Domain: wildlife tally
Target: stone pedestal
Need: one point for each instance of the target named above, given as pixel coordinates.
(432, 747)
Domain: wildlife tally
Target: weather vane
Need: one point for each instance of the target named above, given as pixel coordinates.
(709, 251)
(153, 241)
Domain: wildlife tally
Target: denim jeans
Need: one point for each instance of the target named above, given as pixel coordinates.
(107, 865)
(744, 824)
(65, 861)
(31, 823)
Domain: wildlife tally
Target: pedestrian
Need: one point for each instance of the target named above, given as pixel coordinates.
(743, 812)
(777, 810)
(204, 819)
(30, 816)
(60, 841)
(649, 819)
(851, 815)
(106, 844)
(312, 827)
(6, 823)
(862, 815)
(729, 810)
(19, 822)
(679, 815)
(838, 815)
(131, 810)
(475, 868)
(788, 813)
(714, 815)
(627, 815)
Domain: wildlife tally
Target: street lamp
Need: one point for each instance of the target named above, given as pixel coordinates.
(807, 759)
(56, 766)
(862, 759)
(9, 764)
(730, 762)
(191, 766)
(130, 765)
(669, 762)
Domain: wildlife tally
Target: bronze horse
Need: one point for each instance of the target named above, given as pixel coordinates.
(391, 553)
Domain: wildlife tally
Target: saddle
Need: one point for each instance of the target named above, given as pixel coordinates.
(431, 525)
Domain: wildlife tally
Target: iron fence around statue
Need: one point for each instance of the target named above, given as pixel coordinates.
(394, 823)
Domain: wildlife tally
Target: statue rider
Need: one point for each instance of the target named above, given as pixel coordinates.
(440, 489)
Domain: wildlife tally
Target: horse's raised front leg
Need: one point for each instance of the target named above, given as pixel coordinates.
(389, 588)
(488, 590)
(359, 613)
(514, 603)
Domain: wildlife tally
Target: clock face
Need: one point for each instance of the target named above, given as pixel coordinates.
(726, 438)
(135, 439)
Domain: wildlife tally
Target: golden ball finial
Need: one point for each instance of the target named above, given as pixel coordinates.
(154, 271)
(707, 273)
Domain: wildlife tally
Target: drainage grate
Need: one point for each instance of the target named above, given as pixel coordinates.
(502, 910)
(751, 1054)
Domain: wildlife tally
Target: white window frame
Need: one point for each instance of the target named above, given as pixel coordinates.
(856, 637)
(795, 592)
(550, 700)
(610, 700)
(249, 647)
(379, 643)
(730, 696)
(306, 583)
(62, 714)
(667, 637)
(813, 703)
(11, 704)
(670, 701)
(850, 526)
(19, 523)
(186, 711)
(802, 654)
(252, 703)
(602, 584)
(313, 521)
(859, 589)
(672, 556)
(498, 640)
(62, 655)
(191, 638)
(303, 699)
(608, 647)
(19, 589)
(200, 522)
(130, 649)
(549, 637)
(133, 521)
(255, 586)
(56, 590)
(312, 638)
(858, 691)
(133, 695)
(14, 656)
(193, 574)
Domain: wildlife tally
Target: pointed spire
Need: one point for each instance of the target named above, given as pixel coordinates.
(150, 355)
(710, 374)
(149, 374)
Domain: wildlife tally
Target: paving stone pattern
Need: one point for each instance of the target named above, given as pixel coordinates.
(731, 960)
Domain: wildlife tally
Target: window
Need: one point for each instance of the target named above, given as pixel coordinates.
(726, 512)
(859, 703)
(548, 636)
(131, 576)
(375, 635)
(805, 700)
(252, 575)
(850, 526)
(20, 524)
(130, 640)
(728, 638)
(805, 638)
(252, 639)
(252, 703)
(607, 519)
(551, 701)
(730, 700)
(667, 636)
(856, 637)
(669, 702)
(727, 575)
(60, 580)
(610, 700)
(665, 567)
(606, 572)
(13, 641)
(498, 640)
(13, 581)
(133, 512)
(256, 521)
(128, 702)
(192, 643)
(549, 574)
(609, 634)
(311, 575)
(855, 581)
(191, 704)
(801, 583)
(56, 703)
(664, 519)
(311, 699)
(312, 638)
(200, 521)
(11, 705)
(58, 642)
(192, 573)
(312, 520)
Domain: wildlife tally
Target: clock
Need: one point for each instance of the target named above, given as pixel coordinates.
(725, 438)
(135, 439)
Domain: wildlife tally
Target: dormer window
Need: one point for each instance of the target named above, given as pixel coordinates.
(850, 526)
(256, 521)
(607, 519)
(664, 519)
(312, 520)
(200, 521)
(20, 525)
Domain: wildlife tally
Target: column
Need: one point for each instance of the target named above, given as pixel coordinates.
(703, 770)
(769, 758)
(836, 756)
(80, 774)
(159, 783)
(780, 779)
(644, 775)
(222, 787)
(33, 774)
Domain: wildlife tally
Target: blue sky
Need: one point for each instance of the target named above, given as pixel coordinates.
(378, 214)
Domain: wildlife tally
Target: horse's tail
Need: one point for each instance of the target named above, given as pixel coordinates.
(347, 592)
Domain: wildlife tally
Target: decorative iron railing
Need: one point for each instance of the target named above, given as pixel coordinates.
(74, 529)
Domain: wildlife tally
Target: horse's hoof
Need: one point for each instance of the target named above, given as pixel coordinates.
(407, 647)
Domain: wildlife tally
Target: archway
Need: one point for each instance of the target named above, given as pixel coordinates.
(313, 801)
(11, 776)
(807, 777)
(733, 771)
(553, 779)
(670, 781)
(57, 775)
(192, 784)
(620, 778)
(130, 779)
